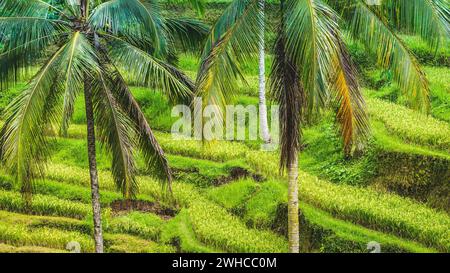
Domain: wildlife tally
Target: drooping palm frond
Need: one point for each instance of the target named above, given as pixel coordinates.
(232, 41)
(117, 134)
(198, 5)
(428, 18)
(287, 89)
(139, 21)
(149, 71)
(24, 147)
(313, 42)
(24, 40)
(154, 158)
(311, 29)
(23, 144)
(190, 34)
(78, 59)
(351, 114)
(392, 53)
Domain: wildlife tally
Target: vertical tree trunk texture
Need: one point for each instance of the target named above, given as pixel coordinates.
(98, 236)
(293, 220)
(264, 127)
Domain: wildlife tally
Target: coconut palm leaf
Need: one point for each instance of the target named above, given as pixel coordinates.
(392, 53)
(78, 60)
(27, 8)
(154, 158)
(350, 114)
(23, 144)
(311, 31)
(288, 91)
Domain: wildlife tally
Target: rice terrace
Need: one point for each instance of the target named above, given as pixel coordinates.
(337, 141)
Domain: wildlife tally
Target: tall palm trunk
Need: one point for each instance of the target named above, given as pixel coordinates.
(293, 221)
(98, 236)
(264, 127)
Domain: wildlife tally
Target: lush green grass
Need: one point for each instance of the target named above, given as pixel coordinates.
(215, 227)
(179, 231)
(409, 125)
(341, 236)
(124, 243)
(337, 198)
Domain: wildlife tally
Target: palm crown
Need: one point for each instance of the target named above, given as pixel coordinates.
(89, 43)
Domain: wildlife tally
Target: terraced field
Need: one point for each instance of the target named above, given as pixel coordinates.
(230, 197)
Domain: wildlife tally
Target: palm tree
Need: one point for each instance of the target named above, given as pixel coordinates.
(83, 46)
(312, 69)
(265, 134)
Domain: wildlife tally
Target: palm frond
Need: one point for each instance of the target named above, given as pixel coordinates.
(77, 61)
(311, 29)
(428, 18)
(351, 114)
(287, 89)
(23, 144)
(188, 33)
(149, 71)
(233, 40)
(25, 40)
(392, 53)
(26, 8)
(154, 158)
(139, 21)
(117, 134)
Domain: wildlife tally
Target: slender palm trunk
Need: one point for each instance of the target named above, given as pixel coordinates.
(293, 221)
(98, 236)
(264, 127)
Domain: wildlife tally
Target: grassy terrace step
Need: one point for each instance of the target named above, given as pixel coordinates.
(124, 243)
(69, 192)
(180, 232)
(43, 205)
(258, 204)
(204, 173)
(425, 225)
(41, 232)
(380, 211)
(4, 248)
(334, 235)
(409, 125)
(22, 235)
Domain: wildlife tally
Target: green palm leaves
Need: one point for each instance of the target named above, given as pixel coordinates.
(113, 35)
(310, 41)
(392, 53)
